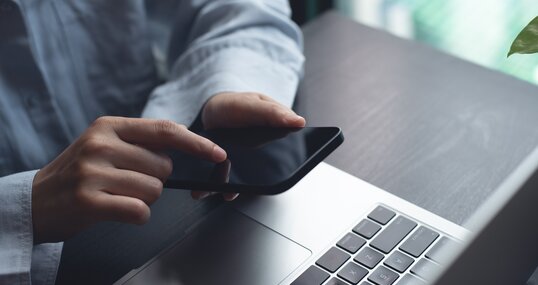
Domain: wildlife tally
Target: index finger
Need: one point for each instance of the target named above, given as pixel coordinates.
(165, 134)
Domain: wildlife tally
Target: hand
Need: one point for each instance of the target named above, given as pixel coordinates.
(232, 110)
(112, 172)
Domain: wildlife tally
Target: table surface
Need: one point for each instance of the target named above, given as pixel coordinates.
(430, 128)
(433, 129)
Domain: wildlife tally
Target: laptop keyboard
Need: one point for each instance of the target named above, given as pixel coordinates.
(384, 248)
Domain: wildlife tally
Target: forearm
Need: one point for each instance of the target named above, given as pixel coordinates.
(233, 46)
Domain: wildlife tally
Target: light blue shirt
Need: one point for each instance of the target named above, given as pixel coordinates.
(63, 63)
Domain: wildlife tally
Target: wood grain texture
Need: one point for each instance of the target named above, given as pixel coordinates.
(428, 127)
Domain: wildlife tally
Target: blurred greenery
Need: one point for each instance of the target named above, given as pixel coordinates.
(305, 10)
(478, 31)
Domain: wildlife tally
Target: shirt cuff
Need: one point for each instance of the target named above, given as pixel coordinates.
(234, 69)
(20, 261)
(45, 262)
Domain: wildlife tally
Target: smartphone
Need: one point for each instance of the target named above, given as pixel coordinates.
(260, 160)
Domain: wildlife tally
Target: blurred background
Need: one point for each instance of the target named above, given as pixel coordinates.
(478, 31)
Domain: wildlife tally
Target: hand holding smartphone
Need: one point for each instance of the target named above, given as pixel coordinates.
(260, 160)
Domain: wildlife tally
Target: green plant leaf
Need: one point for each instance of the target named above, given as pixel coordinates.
(527, 40)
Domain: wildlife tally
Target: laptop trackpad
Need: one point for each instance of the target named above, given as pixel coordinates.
(226, 248)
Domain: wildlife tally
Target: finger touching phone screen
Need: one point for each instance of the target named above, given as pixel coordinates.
(260, 160)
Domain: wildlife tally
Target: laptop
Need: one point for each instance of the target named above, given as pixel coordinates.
(333, 228)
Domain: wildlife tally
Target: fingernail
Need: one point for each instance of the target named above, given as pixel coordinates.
(218, 153)
(294, 118)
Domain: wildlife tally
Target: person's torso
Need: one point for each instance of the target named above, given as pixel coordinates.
(62, 65)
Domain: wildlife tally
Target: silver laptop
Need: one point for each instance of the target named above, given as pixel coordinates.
(333, 228)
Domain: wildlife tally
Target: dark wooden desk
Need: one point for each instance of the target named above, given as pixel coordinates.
(430, 128)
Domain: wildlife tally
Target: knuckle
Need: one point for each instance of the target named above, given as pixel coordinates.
(166, 128)
(204, 146)
(262, 97)
(275, 110)
(180, 129)
(82, 171)
(96, 146)
(275, 107)
(258, 95)
(103, 121)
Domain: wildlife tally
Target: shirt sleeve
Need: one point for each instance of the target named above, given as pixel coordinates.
(20, 261)
(228, 46)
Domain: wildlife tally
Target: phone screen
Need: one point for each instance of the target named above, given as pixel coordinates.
(260, 159)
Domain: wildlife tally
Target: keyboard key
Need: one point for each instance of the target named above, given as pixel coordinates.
(366, 228)
(368, 257)
(383, 276)
(352, 272)
(335, 281)
(435, 253)
(399, 261)
(425, 269)
(351, 242)
(365, 283)
(393, 234)
(417, 243)
(409, 279)
(332, 259)
(381, 215)
(312, 276)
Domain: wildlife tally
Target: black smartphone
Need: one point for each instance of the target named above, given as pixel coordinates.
(260, 160)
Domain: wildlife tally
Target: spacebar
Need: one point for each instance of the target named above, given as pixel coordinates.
(393, 234)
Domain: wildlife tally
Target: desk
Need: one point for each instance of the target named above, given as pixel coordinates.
(430, 128)
(433, 129)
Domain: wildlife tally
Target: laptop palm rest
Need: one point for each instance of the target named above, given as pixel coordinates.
(226, 246)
